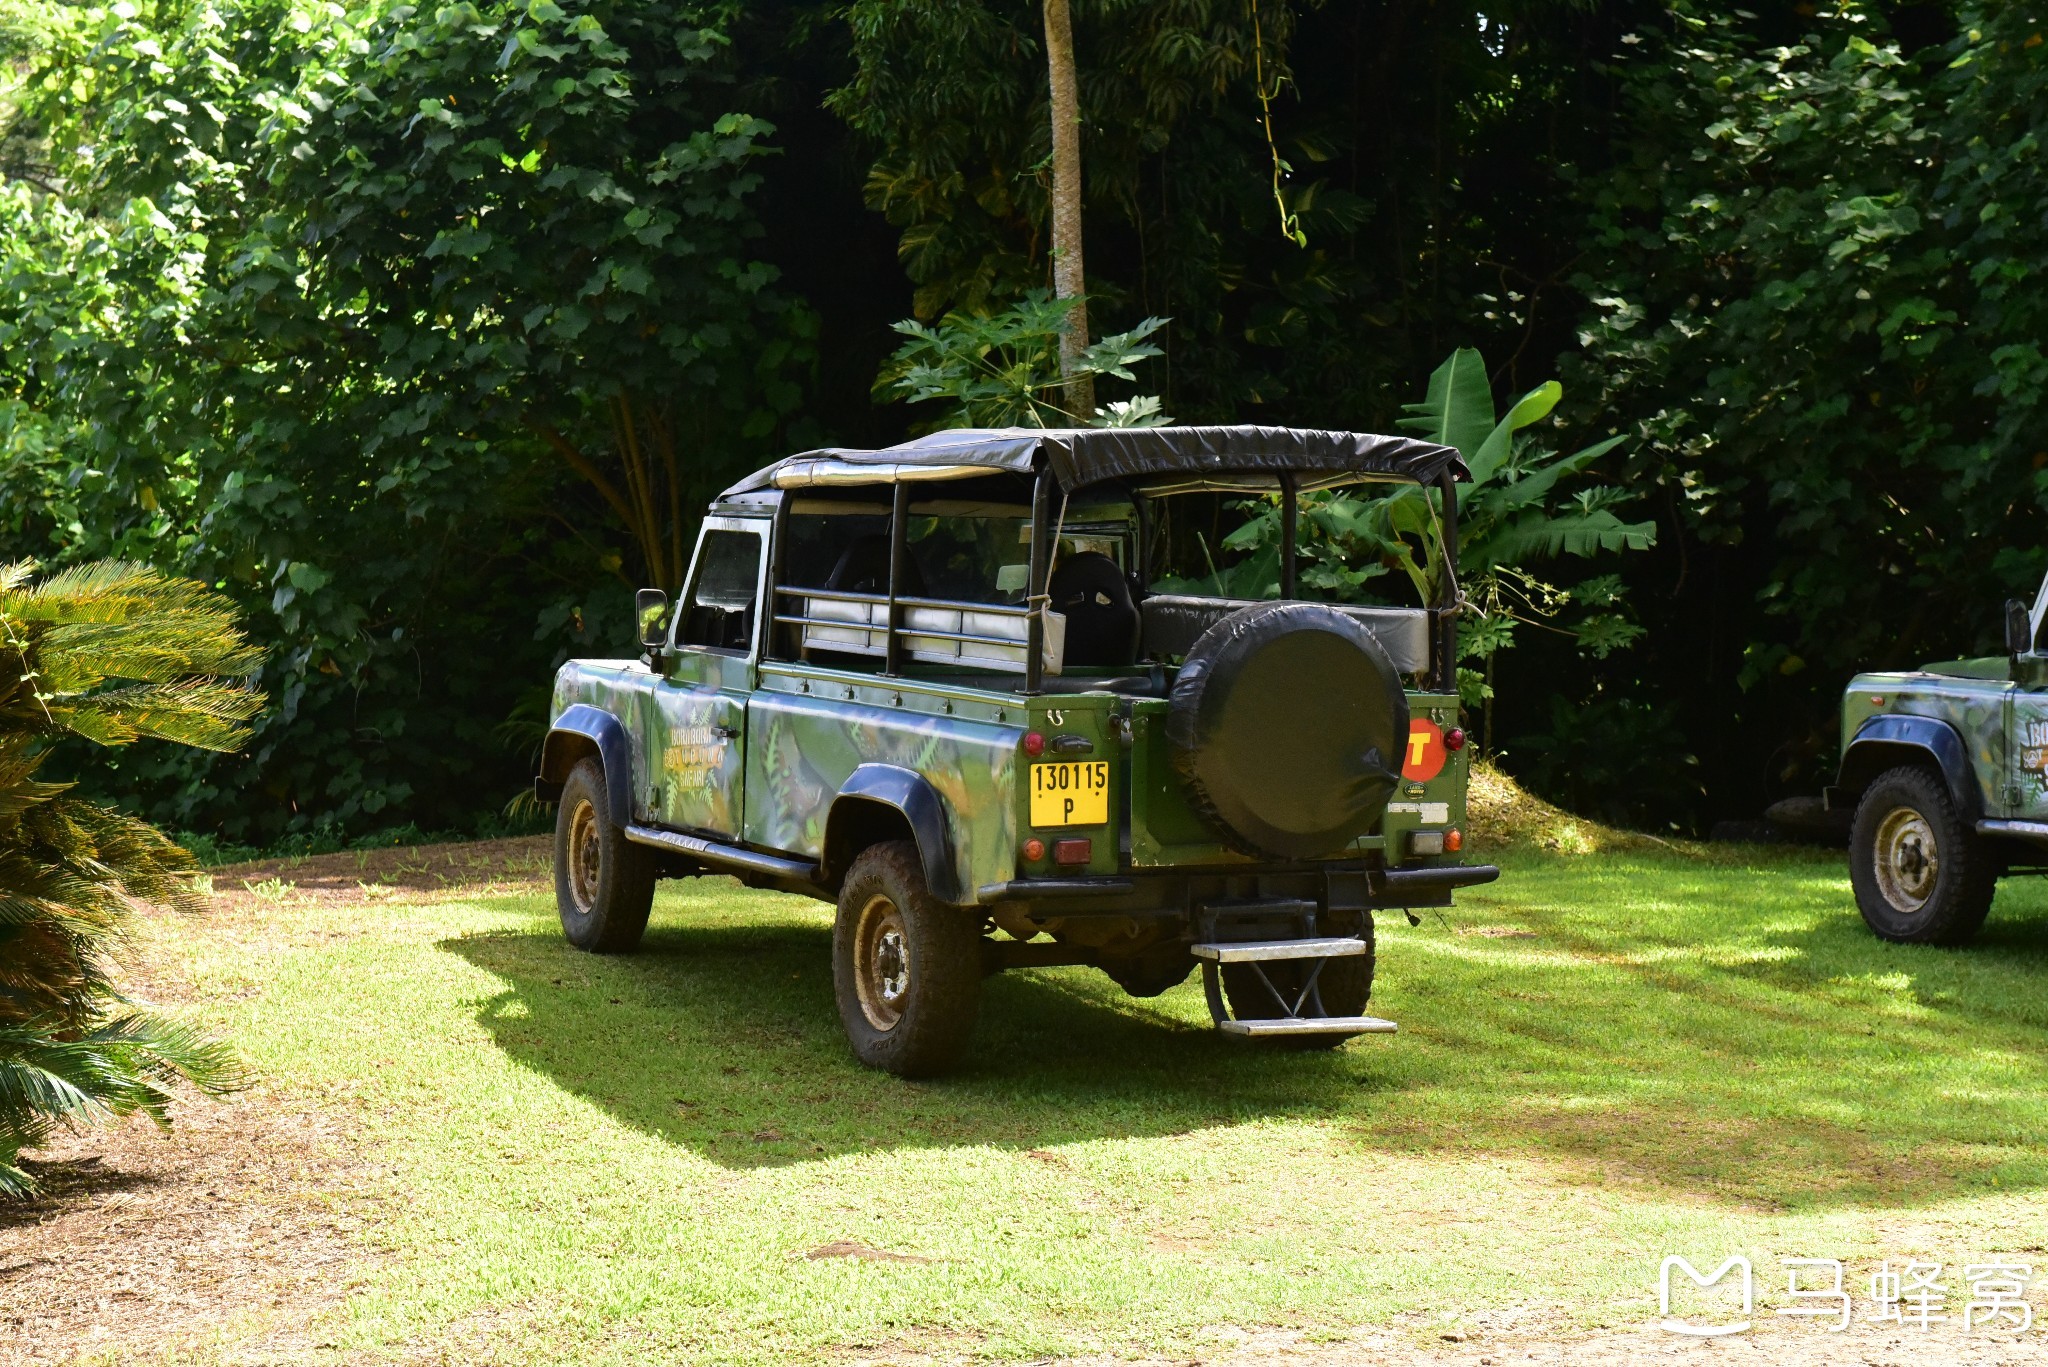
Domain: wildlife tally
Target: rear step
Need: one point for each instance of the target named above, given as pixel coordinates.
(1313, 1025)
(1339, 948)
(1304, 1013)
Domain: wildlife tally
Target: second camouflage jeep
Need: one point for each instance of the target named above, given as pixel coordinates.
(944, 686)
(1945, 774)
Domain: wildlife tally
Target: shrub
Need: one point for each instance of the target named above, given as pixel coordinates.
(111, 652)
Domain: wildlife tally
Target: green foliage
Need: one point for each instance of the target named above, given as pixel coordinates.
(50, 1080)
(422, 333)
(1002, 369)
(1817, 290)
(950, 99)
(110, 652)
(116, 651)
(1511, 517)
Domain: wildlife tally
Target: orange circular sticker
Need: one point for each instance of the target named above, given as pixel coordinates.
(1426, 754)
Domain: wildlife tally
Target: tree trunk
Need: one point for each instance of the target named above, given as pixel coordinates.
(1069, 280)
(649, 485)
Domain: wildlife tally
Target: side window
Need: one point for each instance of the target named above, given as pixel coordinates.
(972, 559)
(719, 614)
(848, 552)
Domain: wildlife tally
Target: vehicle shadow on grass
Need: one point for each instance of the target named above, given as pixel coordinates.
(1689, 1028)
(726, 1039)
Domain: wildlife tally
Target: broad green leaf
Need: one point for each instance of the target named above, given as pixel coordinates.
(1493, 453)
(1457, 410)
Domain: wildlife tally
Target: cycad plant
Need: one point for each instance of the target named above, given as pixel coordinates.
(111, 652)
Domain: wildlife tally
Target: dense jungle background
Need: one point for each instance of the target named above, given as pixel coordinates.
(421, 330)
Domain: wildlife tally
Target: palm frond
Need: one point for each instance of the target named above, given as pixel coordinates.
(130, 1063)
(166, 647)
(112, 652)
(196, 712)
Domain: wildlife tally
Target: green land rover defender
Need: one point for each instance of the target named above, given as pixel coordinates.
(967, 689)
(1945, 770)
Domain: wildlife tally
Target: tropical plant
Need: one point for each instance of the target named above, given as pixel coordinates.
(427, 393)
(1007, 369)
(1512, 517)
(113, 653)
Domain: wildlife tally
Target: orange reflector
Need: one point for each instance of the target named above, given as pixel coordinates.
(1034, 850)
(1454, 840)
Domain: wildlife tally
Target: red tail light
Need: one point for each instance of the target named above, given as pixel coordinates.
(1034, 744)
(1072, 851)
(1454, 739)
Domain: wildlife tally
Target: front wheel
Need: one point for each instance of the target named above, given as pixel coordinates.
(906, 968)
(1920, 873)
(604, 883)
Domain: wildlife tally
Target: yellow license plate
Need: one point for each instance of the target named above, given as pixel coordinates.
(1073, 793)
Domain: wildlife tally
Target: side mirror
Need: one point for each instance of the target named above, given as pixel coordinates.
(650, 609)
(2019, 627)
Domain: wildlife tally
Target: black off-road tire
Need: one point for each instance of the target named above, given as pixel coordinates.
(906, 967)
(604, 883)
(1921, 873)
(1344, 985)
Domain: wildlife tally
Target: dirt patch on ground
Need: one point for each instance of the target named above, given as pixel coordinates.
(1515, 1338)
(246, 1213)
(358, 875)
(1768, 1345)
(242, 1223)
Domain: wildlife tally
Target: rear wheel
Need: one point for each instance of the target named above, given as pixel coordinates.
(906, 967)
(1920, 873)
(604, 883)
(1343, 986)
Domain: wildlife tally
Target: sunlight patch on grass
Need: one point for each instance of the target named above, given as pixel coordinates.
(629, 1159)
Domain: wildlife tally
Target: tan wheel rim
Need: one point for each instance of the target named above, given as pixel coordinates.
(1907, 860)
(881, 962)
(585, 851)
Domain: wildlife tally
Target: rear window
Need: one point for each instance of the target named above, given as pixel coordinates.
(1348, 550)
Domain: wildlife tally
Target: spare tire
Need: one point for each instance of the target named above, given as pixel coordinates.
(1286, 729)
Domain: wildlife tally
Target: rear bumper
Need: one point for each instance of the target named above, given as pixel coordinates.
(1164, 892)
(1393, 884)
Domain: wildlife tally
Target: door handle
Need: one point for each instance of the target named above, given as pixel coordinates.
(726, 732)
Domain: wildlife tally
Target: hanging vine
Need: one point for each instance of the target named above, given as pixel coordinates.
(1290, 222)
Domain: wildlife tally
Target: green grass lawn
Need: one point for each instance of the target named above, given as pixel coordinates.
(1602, 1059)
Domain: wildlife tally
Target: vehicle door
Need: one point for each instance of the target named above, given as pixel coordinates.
(708, 672)
(2026, 723)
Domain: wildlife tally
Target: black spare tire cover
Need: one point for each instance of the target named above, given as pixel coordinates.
(1286, 728)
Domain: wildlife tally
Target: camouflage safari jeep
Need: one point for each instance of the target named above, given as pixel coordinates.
(1946, 770)
(954, 687)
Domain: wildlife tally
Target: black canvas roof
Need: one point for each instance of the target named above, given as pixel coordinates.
(1079, 457)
